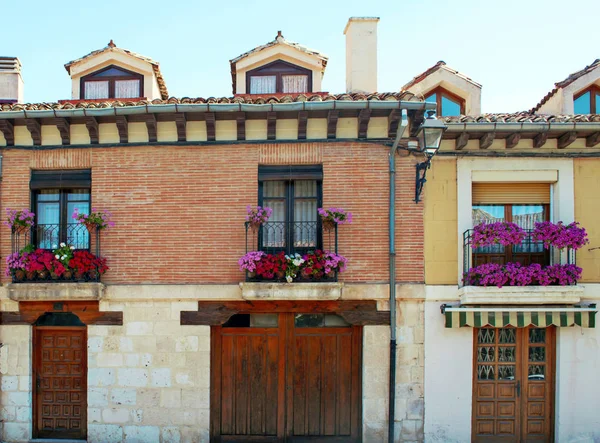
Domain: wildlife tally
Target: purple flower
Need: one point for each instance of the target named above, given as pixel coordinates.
(259, 215)
(559, 235)
(249, 260)
(335, 215)
(503, 233)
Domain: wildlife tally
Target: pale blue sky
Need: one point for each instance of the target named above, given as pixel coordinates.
(516, 49)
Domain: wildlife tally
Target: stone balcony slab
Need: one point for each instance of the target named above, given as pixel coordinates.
(520, 295)
(291, 291)
(55, 291)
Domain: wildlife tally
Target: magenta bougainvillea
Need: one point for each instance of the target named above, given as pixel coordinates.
(514, 274)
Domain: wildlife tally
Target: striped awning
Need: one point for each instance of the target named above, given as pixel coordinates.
(519, 317)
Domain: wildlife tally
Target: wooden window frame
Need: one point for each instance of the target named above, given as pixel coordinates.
(111, 81)
(593, 90)
(439, 92)
(286, 69)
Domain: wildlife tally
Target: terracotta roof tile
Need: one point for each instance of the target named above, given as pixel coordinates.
(566, 82)
(439, 65)
(524, 117)
(111, 47)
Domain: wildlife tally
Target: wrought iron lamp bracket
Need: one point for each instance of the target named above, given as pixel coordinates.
(421, 170)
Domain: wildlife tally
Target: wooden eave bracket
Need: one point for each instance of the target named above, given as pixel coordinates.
(592, 140)
(332, 119)
(487, 140)
(64, 129)
(151, 127)
(271, 125)
(35, 129)
(302, 124)
(8, 131)
(210, 126)
(240, 118)
(512, 140)
(393, 122)
(363, 122)
(122, 127)
(566, 139)
(461, 141)
(180, 122)
(540, 139)
(92, 126)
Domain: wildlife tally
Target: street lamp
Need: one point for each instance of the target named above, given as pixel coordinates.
(430, 136)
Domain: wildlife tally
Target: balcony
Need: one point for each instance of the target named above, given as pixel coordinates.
(529, 272)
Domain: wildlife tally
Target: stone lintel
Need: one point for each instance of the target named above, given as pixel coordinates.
(291, 291)
(55, 291)
(520, 295)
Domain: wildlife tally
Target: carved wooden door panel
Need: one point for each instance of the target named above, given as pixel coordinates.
(59, 382)
(513, 385)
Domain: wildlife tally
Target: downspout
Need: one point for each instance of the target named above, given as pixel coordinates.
(392, 233)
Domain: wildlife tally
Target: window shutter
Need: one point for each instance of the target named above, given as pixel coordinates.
(511, 193)
(297, 172)
(69, 179)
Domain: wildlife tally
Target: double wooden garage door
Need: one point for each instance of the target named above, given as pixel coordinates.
(286, 378)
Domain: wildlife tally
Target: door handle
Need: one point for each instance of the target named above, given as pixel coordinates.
(518, 387)
(38, 382)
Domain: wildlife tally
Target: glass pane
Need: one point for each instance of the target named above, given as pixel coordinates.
(48, 217)
(431, 98)
(537, 335)
(335, 321)
(48, 195)
(77, 234)
(78, 195)
(309, 320)
(537, 353)
(485, 353)
(263, 84)
(450, 107)
(485, 372)
(582, 104)
(295, 83)
(127, 89)
(264, 320)
(487, 214)
(537, 372)
(113, 72)
(274, 230)
(527, 215)
(597, 103)
(305, 188)
(486, 336)
(506, 372)
(506, 353)
(507, 335)
(95, 90)
(274, 188)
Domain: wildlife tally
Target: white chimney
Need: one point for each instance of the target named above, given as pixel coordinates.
(11, 82)
(361, 54)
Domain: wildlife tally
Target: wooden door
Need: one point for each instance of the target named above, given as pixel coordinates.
(59, 382)
(274, 379)
(513, 381)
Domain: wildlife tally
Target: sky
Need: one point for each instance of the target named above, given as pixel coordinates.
(517, 49)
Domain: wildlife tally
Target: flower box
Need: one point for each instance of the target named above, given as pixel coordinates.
(520, 295)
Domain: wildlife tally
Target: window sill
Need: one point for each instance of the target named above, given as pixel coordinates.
(520, 295)
(291, 291)
(55, 291)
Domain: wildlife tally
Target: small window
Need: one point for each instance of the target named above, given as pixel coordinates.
(279, 77)
(448, 104)
(112, 82)
(587, 101)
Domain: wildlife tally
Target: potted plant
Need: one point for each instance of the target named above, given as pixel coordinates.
(257, 216)
(19, 220)
(249, 262)
(97, 219)
(334, 216)
(560, 235)
(503, 233)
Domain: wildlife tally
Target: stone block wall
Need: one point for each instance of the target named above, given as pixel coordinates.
(148, 380)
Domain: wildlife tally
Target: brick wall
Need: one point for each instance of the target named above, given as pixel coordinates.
(179, 210)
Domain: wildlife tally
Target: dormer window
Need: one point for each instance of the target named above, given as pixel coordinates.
(587, 101)
(112, 82)
(279, 77)
(448, 104)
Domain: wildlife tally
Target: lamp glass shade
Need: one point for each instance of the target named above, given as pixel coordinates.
(430, 136)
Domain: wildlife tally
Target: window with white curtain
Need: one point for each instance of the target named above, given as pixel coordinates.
(96, 90)
(295, 83)
(263, 84)
(127, 88)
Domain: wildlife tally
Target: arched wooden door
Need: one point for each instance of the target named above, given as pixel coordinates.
(286, 377)
(59, 377)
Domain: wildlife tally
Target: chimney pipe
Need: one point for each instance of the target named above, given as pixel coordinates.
(361, 54)
(11, 82)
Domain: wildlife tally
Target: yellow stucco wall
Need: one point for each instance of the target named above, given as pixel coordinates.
(440, 212)
(587, 209)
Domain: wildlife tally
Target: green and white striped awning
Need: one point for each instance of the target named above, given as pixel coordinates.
(521, 317)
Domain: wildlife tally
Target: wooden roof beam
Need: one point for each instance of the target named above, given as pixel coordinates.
(592, 140)
(302, 123)
(540, 139)
(393, 122)
(271, 125)
(566, 139)
(123, 128)
(461, 141)
(92, 126)
(8, 131)
(332, 119)
(151, 127)
(363, 122)
(180, 122)
(512, 140)
(64, 129)
(210, 126)
(35, 129)
(240, 118)
(487, 140)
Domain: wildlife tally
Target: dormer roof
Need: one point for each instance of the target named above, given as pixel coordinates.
(112, 47)
(439, 65)
(566, 82)
(279, 40)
